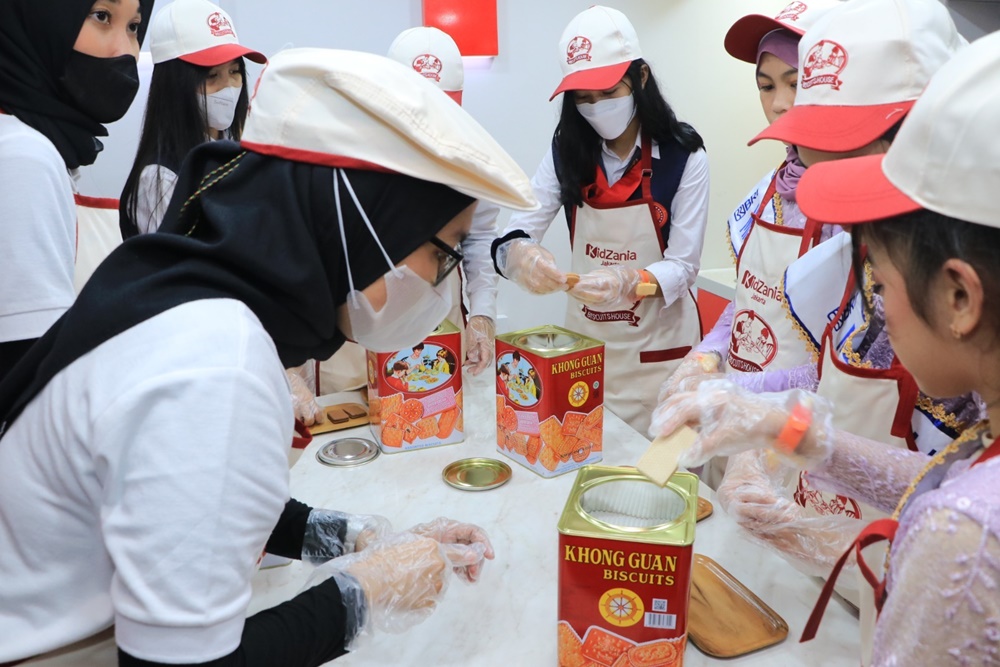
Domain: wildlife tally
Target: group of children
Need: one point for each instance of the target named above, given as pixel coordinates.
(845, 391)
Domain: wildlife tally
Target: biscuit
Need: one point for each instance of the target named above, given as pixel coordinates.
(427, 427)
(509, 419)
(412, 410)
(603, 647)
(391, 404)
(572, 422)
(594, 435)
(354, 411)
(532, 449)
(520, 443)
(409, 433)
(551, 431)
(660, 653)
(458, 400)
(548, 458)
(570, 647)
(595, 417)
(374, 408)
(392, 437)
(460, 424)
(446, 422)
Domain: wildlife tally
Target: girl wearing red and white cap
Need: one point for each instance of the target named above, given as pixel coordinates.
(766, 229)
(633, 181)
(66, 69)
(926, 215)
(198, 92)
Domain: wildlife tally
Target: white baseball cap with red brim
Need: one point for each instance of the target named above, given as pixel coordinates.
(744, 36)
(861, 67)
(197, 32)
(946, 157)
(432, 54)
(595, 49)
(359, 110)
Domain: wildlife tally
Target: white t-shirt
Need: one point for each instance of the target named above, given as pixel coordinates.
(688, 215)
(480, 277)
(37, 232)
(153, 196)
(140, 486)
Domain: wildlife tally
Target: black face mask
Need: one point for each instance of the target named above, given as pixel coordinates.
(101, 88)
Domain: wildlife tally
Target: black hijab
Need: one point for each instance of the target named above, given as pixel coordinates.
(36, 39)
(261, 230)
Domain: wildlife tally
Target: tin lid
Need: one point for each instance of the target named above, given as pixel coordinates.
(549, 340)
(446, 327)
(476, 474)
(347, 452)
(621, 503)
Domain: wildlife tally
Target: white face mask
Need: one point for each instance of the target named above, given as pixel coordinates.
(609, 118)
(220, 108)
(413, 307)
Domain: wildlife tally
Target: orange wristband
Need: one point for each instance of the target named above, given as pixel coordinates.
(794, 429)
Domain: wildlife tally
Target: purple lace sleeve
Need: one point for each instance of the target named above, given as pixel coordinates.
(717, 340)
(801, 377)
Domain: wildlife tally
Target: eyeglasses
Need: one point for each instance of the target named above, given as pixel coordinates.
(448, 259)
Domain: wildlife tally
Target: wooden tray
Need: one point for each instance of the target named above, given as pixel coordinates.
(331, 413)
(725, 619)
(705, 508)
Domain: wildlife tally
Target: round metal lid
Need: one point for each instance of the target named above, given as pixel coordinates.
(549, 340)
(347, 452)
(476, 474)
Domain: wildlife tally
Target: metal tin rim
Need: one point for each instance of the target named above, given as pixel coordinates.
(453, 474)
(327, 454)
(519, 340)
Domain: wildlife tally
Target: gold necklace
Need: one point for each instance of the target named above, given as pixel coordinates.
(939, 458)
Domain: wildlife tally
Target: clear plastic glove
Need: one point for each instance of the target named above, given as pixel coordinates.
(732, 420)
(307, 410)
(693, 365)
(330, 534)
(448, 531)
(527, 263)
(754, 492)
(609, 288)
(396, 582)
(480, 333)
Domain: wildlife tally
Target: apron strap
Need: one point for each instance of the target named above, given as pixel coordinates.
(902, 423)
(303, 437)
(876, 531)
(810, 235)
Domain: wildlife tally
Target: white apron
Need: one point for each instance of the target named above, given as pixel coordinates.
(645, 343)
(763, 336)
(97, 234)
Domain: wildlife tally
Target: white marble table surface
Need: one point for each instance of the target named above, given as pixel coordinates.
(509, 617)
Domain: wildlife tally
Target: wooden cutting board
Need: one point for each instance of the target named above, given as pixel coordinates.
(341, 416)
(725, 618)
(705, 508)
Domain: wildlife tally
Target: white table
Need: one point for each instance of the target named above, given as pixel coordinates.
(509, 617)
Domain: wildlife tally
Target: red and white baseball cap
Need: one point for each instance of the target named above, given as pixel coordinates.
(861, 66)
(595, 49)
(360, 110)
(946, 157)
(744, 36)
(432, 54)
(197, 32)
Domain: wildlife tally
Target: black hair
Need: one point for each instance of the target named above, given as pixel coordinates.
(919, 243)
(579, 146)
(174, 123)
(504, 370)
(418, 346)
(516, 355)
(400, 366)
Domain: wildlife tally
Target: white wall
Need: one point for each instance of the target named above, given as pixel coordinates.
(681, 39)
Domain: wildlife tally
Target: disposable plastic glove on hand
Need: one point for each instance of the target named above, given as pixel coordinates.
(330, 534)
(608, 288)
(754, 493)
(732, 420)
(693, 365)
(480, 333)
(395, 582)
(307, 410)
(449, 532)
(527, 263)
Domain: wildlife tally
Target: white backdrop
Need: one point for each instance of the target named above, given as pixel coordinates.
(508, 95)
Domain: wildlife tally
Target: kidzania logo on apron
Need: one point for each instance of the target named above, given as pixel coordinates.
(608, 256)
(753, 344)
(761, 291)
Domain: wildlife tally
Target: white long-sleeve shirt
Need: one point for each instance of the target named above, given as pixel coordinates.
(480, 277)
(156, 187)
(688, 215)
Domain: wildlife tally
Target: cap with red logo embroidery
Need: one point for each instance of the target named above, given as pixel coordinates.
(861, 66)
(945, 157)
(197, 32)
(595, 50)
(359, 110)
(745, 35)
(433, 54)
